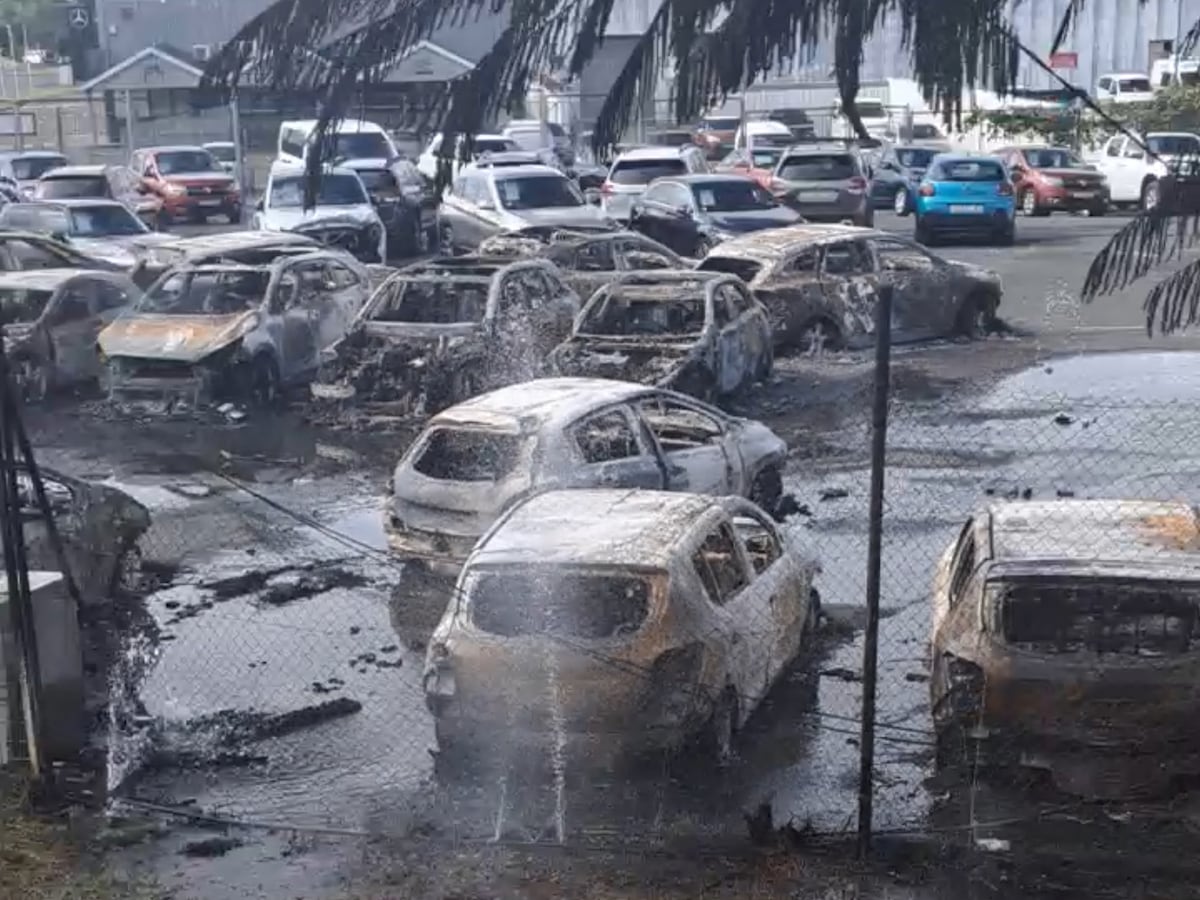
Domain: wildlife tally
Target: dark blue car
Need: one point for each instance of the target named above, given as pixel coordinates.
(897, 175)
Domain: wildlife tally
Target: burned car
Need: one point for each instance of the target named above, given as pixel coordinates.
(254, 248)
(436, 333)
(51, 319)
(1062, 640)
(701, 333)
(587, 258)
(233, 330)
(612, 624)
(476, 459)
(820, 284)
(23, 251)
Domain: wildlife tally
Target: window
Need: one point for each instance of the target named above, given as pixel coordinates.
(849, 258)
(1105, 84)
(292, 142)
(30, 168)
(1172, 144)
(719, 566)
(554, 601)
(73, 306)
(538, 192)
(469, 454)
(818, 167)
(71, 186)
(745, 269)
(762, 544)
(475, 190)
(803, 263)
(178, 162)
(342, 276)
(679, 427)
(1134, 85)
(31, 256)
(897, 256)
(335, 190)
(1114, 147)
(644, 171)
(607, 437)
(1133, 151)
(111, 296)
(735, 195)
(595, 257)
(666, 194)
(969, 170)
(964, 563)
(644, 255)
(738, 302)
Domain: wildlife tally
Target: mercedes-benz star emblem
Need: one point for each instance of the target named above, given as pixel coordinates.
(78, 17)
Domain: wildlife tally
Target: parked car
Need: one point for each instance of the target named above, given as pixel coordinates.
(101, 229)
(701, 599)
(820, 285)
(1047, 179)
(190, 183)
(897, 178)
(763, 133)
(342, 217)
(475, 460)
(966, 195)
(1124, 87)
(1062, 640)
(405, 200)
(1135, 177)
(233, 330)
(51, 320)
(703, 334)
(758, 163)
(671, 137)
(692, 214)
(22, 251)
(436, 333)
(101, 183)
(586, 260)
(349, 139)
(24, 167)
(798, 120)
(485, 201)
(536, 135)
(824, 183)
(224, 152)
(633, 170)
(715, 134)
(254, 248)
(427, 162)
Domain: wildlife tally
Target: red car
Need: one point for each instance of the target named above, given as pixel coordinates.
(758, 164)
(191, 183)
(1052, 179)
(715, 134)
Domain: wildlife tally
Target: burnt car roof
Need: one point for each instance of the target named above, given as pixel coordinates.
(1143, 535)
(776, 242)
(236, 240)
(540, 403)
(615, 527)
(255, 267)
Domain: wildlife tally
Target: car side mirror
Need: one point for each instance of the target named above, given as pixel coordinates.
(682, 210)
(485, 204)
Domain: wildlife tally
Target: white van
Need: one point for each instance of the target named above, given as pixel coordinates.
(355, 140)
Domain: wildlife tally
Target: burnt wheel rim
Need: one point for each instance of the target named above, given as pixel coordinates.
(818, 338)
(34, 382)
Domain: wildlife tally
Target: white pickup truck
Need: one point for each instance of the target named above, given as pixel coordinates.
(1133, 176)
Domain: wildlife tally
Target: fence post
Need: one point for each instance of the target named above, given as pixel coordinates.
(129, 140)
(59, 142)
(19, 121)
(879, 415)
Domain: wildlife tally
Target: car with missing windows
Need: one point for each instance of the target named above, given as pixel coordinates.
(439, 332)
(702, 334)
(486, 200)
(254, 248)
(51, 320)
(824, 183)
(190, 182)
(586, 259)
(342, 215)
(101, 183)
(820, 285)
(691, 214)
(1061, 640)
(474, 461)
(102, 229)
(24, 167)
(233, 330)
(666, 618)
(966, 196)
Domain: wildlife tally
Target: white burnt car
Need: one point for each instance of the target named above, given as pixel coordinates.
(475, 460)
(702, 333)
(607, 624)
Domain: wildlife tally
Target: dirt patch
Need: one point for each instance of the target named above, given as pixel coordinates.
(283, 584)
(1175, 530)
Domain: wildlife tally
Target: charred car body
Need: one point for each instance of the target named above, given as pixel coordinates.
(1063, 639)
(52, 318)
(664, 617)
(700, 333)
(208, 331)
(252, 248)
(436, 333)
(820, 284)
(477, 459)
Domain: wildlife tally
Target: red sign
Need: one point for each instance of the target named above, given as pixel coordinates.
(1064, 60)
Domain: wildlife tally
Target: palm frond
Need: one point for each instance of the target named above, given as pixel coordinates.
(1143, 243)
(1174, 303)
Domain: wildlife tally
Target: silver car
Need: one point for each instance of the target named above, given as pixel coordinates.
(633, 170)
(102, 229)
(825, 183)
(475, 460)
(24, 167)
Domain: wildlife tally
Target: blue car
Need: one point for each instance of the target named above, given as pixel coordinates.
(966, 196)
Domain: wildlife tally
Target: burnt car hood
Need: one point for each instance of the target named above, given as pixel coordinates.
(119, 249)
(653, 362)
(972, 271)
(753, 219)
(176, 338)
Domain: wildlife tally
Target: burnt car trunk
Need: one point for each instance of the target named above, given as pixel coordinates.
(656, 364)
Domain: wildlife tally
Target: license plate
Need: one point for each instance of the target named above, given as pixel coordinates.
(820, 196)
(967, 210)
(210, 202)
(1083, 195)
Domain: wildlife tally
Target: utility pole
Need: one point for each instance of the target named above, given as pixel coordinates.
(1178, 45)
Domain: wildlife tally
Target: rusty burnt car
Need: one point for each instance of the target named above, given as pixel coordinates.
(475, 460)
(820, 284)
(702, 333)
(51, 319)
(230, 330)
(587, 258)
(254, 248)
(439, 332)
(608, 625)
(1062, 640)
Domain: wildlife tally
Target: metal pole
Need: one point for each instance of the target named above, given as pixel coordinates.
(129, 122)
(19, 120)
(883, 351)
(1178, 38)
(25, 56)
(235, 122)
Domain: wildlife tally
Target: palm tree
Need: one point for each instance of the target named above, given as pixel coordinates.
(715, 47)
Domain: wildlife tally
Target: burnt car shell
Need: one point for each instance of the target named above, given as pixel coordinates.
(156, 255)
(1064, 640)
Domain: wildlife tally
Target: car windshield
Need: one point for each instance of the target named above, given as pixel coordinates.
(626, 314)
(969, 170)
(36, 217)
(222, 153)
(178, 162)
(444, 301)
(772, 139)
(644, 171)
(335, 190)
(469, 454)
(915, 157)
(30, 168)
(70, 187)
(379, 182)
(735, 195)
(871, 109)
(104, 221)
(765, 157)
(530, 137)
(368, 145)
(745, 269)
(1135, 85)
(926, 132)
(538, 192)
(556, 601)
(818, 167)
(672, 138)
(720, 123)
(207, 293)
(1053, 158)
(22, 306)
(1174, 144)
(494, 145)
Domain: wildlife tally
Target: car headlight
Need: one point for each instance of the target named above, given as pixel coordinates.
(176, 190)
